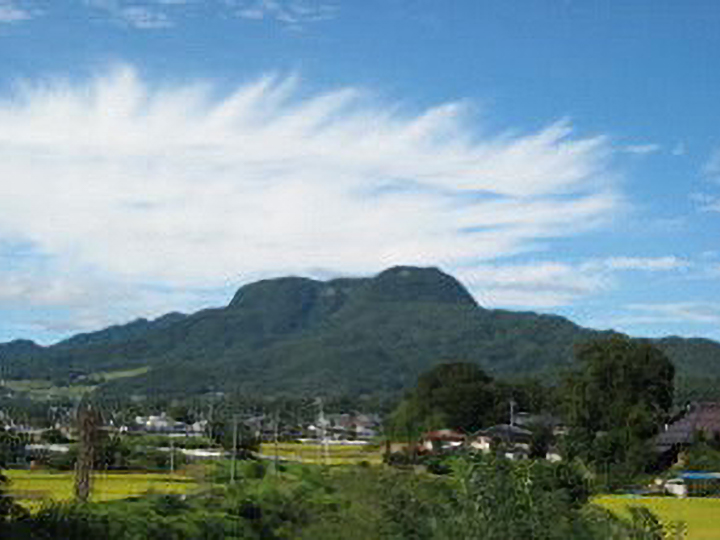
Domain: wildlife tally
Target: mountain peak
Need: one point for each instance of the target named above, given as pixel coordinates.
(419, 284)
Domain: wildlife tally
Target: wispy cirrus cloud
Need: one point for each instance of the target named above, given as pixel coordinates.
(712, 166)
(160, 14)
(651, 264)
(143, 16)
(144, 184)
(641, 149)
(291, 12)
(12, 11)
(552, 284)
(706, 202)
(544, 284)
(673, 312)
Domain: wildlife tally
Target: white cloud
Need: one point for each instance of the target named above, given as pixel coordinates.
(674, 312)
(706, 202)
(651, 264)
(548, 284)
(138, 184)
(291, 12)
(680, 149)
(712, 167)
(149, 16)
(532, 285)
(162, 14)
(641, 149)
(145, 18)
(12, 12)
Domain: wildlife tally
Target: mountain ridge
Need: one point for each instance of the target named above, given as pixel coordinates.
(346, 335)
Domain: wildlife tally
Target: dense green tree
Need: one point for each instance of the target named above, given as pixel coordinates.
(456, 395)
(616, 400)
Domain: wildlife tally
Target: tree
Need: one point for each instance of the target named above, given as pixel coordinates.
(617, 398)
(456, 395)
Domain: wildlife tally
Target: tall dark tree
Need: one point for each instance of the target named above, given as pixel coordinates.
(456, 395)
(617, 398)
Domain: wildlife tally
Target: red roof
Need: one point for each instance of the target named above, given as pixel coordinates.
(443, 435)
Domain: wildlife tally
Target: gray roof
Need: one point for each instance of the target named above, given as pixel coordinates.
(506, 431)
(702, 417)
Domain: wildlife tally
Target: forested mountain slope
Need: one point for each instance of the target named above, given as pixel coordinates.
(298, 335)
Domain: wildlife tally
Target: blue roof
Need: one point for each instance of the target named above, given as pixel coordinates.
(698, 475)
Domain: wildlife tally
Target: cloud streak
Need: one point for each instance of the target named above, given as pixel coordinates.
(148, 16)
(162, 14)
(142, 184)
(12, 12)
(291, 12)
(642, 149)
(674, 312)
(552, 284)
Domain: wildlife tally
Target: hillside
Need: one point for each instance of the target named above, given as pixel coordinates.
(298, 335)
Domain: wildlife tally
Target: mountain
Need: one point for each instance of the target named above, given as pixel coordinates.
(120, 332)
(351, 335)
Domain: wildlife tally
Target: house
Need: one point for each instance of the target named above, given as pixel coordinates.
(160, 424)
(442, 440)
(511, 441)
(698, 418)
(694, 483)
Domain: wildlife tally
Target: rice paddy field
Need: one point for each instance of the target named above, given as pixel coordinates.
(701, 515)
(333, 454)
(35, 488)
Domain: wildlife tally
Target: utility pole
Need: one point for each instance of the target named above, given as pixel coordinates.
(172, 456)
(87, 419)
(234, 450)
(275, 437)
(233, 454)
(512, 412)
(322, 432)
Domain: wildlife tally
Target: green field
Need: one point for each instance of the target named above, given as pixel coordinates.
(33, 488)
(43, 389)
(315, 453)
(701, 515)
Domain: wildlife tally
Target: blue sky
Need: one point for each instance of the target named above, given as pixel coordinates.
(559, 156)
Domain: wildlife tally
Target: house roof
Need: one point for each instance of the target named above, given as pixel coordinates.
(506, 431)
(443, 435)
(703, 417)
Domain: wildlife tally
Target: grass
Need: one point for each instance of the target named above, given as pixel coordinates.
(104, 376)
(40, 390)
(34, 488)
(701, 515)
(315, 453)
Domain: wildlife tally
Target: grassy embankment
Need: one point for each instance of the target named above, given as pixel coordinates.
(701, 515)
(34, 488)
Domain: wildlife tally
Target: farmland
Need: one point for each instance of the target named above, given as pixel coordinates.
(334, 454)
(699, 514)
(33, 488)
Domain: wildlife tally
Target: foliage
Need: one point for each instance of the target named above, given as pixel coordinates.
(622, 391)
(457, 395)
(482, 497)
(294, 336)
(702, 455)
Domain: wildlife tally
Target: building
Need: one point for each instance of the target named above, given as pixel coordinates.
(699, 418)
(442, 440)
(511, 441)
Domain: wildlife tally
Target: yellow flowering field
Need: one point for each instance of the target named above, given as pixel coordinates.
(33, 488)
